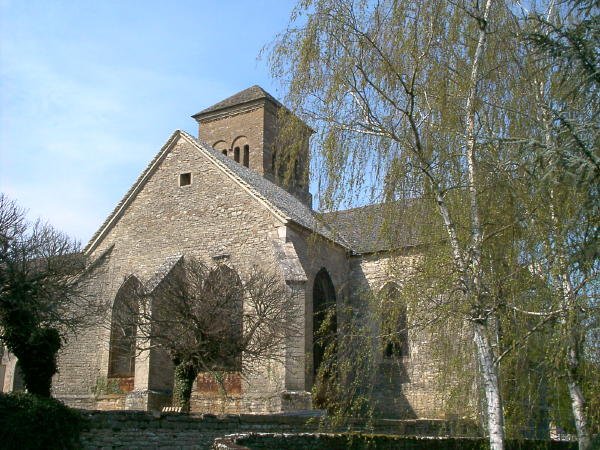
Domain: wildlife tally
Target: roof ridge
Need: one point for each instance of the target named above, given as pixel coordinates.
(404, 203)
(253, 93)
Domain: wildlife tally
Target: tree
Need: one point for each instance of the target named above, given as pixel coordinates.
(415, 91)
(41, 297)
(208, 319)
(565, 38)
(563, 163)
(438, 100)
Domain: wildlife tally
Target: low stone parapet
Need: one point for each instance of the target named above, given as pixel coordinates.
(137, 429)
(357, 441)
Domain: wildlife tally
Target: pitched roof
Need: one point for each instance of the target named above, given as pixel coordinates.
(280, 202)
(368, 229)
(379, 227)
(246, 96)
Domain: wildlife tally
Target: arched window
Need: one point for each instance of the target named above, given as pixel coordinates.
(394, 326)
(121, 360)
(220, 146)
(238, 144)
(324, 317)
(297, 170)
(2, 367)
(247, 155)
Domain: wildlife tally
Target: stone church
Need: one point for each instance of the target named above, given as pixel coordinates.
(219, 198)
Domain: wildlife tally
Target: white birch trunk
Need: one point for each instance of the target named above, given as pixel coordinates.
(489, 372)
(491, 386)
(577, 404)
(578, 407)
(574, 363)
(573, 357)
(569, 326)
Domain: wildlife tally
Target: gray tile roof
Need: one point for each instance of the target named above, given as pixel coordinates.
(379, 227)
(247, 95)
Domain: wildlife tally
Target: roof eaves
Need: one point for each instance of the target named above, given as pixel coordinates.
(241, 107)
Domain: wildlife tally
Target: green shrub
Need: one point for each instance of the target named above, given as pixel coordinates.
(28, 421)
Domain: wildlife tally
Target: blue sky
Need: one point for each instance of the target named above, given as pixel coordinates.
(90, 91)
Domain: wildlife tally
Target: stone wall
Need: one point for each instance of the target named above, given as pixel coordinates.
(83, 359)
(330, 441)
(417, 384)
(130, 429)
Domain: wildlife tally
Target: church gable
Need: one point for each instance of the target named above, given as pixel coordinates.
(186, 203)
(282, 205)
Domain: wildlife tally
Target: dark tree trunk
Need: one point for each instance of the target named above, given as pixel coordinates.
(185, 374)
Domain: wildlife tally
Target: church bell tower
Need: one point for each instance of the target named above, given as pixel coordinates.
(245, 128)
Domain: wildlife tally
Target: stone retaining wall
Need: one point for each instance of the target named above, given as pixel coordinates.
(133, 430)
(349, 441)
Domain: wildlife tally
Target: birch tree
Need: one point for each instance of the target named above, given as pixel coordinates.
(412, 88)
(562, 160)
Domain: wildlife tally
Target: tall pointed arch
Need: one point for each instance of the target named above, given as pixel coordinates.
(18, 379)
(324, 316)
(394, 324)
(223, 288)
(121, 359)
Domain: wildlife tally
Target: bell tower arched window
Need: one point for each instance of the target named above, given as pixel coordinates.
(246, 160)
(220, 146)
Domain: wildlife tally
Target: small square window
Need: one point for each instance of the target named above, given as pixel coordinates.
(185, 179)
